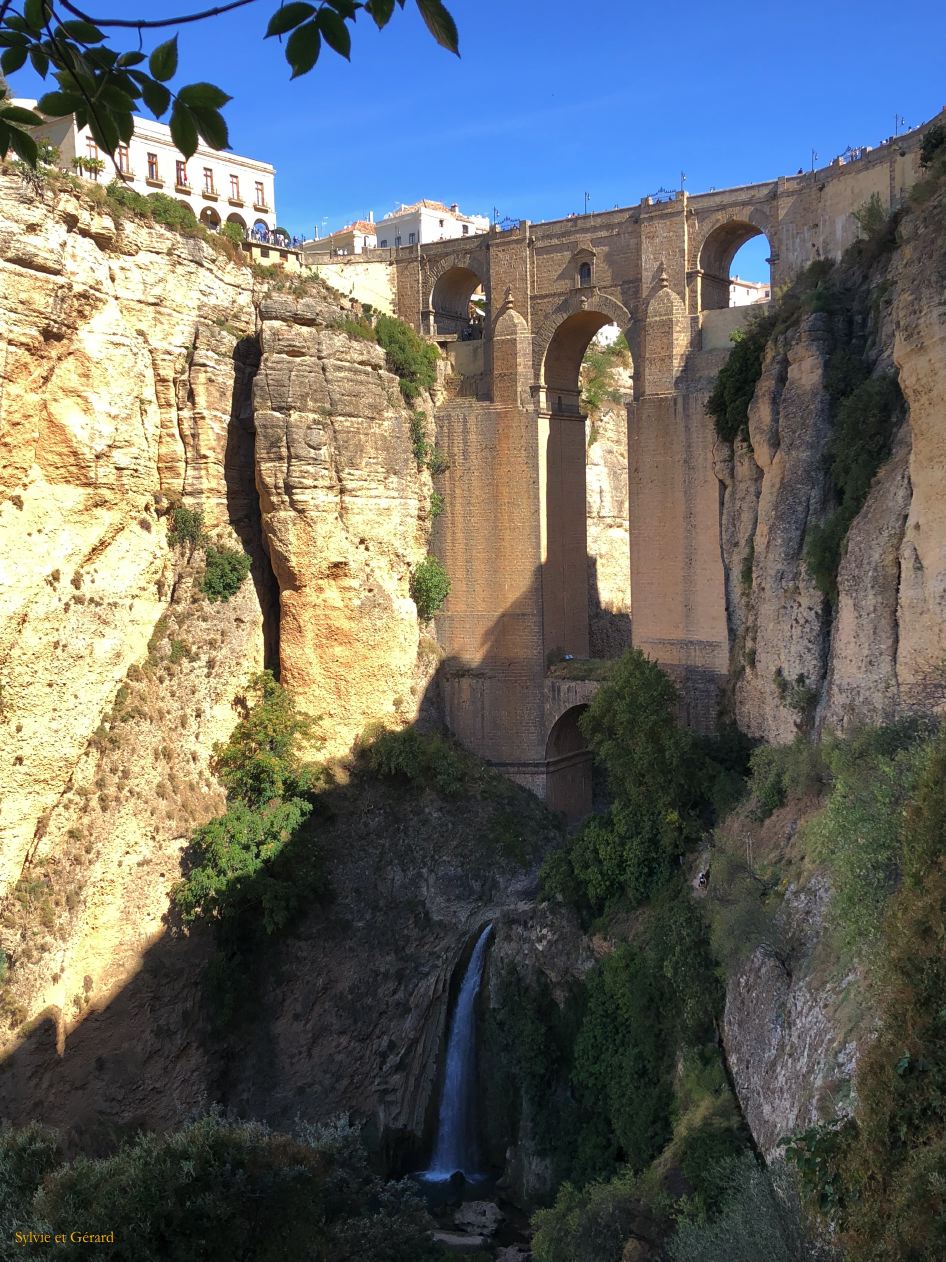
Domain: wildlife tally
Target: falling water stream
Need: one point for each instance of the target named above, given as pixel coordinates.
(455, 1147)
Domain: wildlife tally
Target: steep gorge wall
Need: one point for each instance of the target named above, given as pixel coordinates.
(141, 370)
(880, 653)
(129, 358)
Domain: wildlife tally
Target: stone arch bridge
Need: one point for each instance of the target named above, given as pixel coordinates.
(513, 533)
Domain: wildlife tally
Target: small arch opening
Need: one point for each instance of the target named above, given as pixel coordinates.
(568, 766)
(750, 273)
(458, 305)
(238, 220)
(734, 263)
(210, 218)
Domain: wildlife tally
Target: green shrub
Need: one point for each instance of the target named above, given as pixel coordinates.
(27, 1156)
(233, 232)
(761, 1218)
(743, 908)
(590, 1224)
(728, 404)
(233, 860)
(858, 835)
(409, 356)
(658, 777)
(429, 587)
(861, 439)
(780, 771)
(622, 1067)
(122, 195)
(871, 217)
(934, 144)
(225, 572)
(174, 214)
(436, 505)
(892, 1190)
(187, 526)
(598, 380)
(239, 865)
(427, 761)
(355, 327)
(261, 761)
(419, 444)
(219, 1190)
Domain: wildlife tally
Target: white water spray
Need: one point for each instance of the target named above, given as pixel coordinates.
(455, 1147)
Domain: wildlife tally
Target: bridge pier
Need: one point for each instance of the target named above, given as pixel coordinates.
(513, 531)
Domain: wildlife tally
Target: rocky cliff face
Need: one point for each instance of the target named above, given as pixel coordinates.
(128, 361)
(345, 518)
(140, 370)
(880, 652)
(609, 577)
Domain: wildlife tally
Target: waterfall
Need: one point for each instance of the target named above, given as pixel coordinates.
(455, 1147)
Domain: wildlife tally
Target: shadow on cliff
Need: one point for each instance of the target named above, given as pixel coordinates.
(609, 629)
(243, 508)
(346, 1009)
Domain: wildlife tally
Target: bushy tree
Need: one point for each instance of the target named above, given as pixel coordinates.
(590, 1224)
(659, 778)
(261, 759)
(409, 356)
(240, 866)
(430, 587)
(218, 1191)
(761, 1218)
(225, 572)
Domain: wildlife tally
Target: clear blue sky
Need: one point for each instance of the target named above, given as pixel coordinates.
(552, 99)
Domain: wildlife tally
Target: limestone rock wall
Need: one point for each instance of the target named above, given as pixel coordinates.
(609, 566)
(880, 653)
(128, 356)
(345, 515)
(792, 1034)
(112, 362)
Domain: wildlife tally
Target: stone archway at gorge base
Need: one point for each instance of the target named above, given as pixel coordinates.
(568, 766)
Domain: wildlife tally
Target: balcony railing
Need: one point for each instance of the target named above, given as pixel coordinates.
(183, 188)
(210, 195)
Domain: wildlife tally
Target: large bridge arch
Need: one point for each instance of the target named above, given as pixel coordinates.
(559, 349)
(449, 286)
(718, 244)
(562, 341)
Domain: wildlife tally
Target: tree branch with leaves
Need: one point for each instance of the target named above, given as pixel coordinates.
(103, 85)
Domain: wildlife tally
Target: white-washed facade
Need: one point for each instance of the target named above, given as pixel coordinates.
(427, 221)
(219, 186)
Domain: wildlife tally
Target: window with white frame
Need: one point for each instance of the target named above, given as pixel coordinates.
(208, 180)
(152, 166)
(235, 187)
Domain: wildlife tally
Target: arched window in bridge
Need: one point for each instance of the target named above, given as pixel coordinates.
(584, 274)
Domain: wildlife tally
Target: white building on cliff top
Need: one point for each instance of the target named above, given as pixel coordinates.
(427, 221)
(220, 187)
